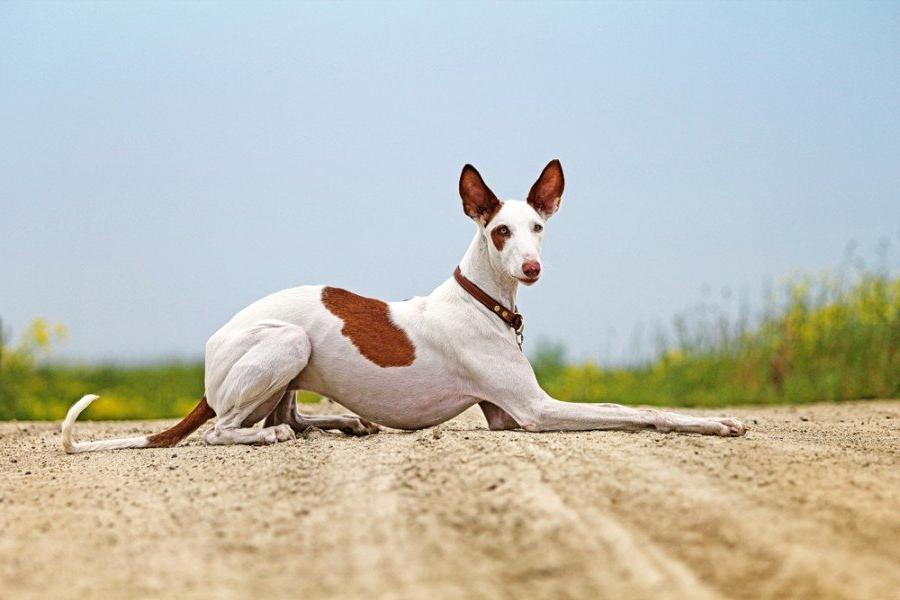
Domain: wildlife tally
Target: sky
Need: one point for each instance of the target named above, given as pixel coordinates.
(162, 165)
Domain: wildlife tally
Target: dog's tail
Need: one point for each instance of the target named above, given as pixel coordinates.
(166, 439)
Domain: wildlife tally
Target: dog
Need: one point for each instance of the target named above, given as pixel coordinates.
(406, 365)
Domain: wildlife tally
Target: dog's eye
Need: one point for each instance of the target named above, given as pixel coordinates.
(503, 230)
(538, 228)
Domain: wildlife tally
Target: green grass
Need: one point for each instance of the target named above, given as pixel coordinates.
(819, 339)
(32, 390)
(135, 392)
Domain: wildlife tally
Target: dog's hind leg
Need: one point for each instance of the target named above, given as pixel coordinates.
(286, 413)
(249, 435)
(249, 372)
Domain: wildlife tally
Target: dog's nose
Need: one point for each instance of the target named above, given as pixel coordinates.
(531, 268)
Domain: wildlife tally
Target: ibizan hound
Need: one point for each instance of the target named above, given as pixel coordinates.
(406, 365)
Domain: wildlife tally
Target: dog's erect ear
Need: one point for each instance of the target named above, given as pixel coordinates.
(546, 193)
(479, 202)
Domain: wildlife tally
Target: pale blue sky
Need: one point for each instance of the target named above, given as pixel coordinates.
(163, 165)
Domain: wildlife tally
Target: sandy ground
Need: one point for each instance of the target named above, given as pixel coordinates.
(807, 505)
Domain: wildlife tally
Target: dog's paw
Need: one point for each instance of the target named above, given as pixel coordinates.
(359, 426)
(276, 433)
(284, 433)
(730, 427)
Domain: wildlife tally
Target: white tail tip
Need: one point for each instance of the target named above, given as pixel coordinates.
(73, 447)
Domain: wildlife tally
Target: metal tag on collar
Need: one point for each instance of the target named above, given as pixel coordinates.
(520, 330)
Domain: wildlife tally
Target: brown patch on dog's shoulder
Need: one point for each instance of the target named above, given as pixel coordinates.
(498, 238)
(368, 325)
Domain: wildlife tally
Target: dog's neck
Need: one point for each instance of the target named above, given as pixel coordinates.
(476, 266)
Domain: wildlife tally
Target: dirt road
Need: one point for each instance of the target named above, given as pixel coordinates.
(806, 505)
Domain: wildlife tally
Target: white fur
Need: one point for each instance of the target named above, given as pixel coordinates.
(73, 447)
(464, 355)
(523, 245)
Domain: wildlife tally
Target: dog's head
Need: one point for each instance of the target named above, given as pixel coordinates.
(513, 229)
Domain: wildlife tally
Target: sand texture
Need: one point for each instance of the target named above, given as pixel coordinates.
(807, 505)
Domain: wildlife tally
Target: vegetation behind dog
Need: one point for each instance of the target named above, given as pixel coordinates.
(817, 339)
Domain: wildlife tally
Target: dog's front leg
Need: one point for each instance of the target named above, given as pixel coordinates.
(548, 414)
(514, 391)
(497, 418)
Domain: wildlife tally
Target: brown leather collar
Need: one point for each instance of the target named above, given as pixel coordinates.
(510, 317)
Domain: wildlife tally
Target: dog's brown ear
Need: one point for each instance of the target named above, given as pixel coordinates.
(479, 202)
(546, 193)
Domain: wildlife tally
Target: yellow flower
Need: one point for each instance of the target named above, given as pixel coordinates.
(40, 334)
